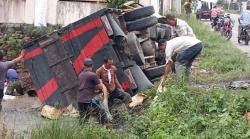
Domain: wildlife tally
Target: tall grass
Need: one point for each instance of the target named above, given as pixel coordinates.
(64, 130)
(219, 55)
(181, 112)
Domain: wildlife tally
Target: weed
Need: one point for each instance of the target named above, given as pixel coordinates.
(219, 55)
(179, 112)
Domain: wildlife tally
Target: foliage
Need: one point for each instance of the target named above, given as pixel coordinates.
(64, 130)
(12, 41)
(118, 4)
(219, 55)
(181, 113)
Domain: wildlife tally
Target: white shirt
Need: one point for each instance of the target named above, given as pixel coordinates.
(178, 45)
(182, 29)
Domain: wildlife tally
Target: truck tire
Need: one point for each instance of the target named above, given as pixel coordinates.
(135, 49)
(139, 13)
(141, 24)
(154, 72)
(148, 48)
(140, 78)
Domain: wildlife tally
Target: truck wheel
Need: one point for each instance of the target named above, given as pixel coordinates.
(140, 78)
(135, 49)
(148, 48)
(141, 24)
(139, 13)
(154, 72)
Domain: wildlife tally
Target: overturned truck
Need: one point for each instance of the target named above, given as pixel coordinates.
(55, 60)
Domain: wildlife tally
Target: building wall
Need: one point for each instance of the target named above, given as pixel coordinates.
(68, 12)
(12, 11)
(65, 12)
(168, 5)
(58, 12)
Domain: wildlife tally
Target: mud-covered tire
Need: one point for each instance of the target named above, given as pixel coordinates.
(135, 48)
(139, 13)
(148, 47)
(140, 78)
(141, 24)
(154, 72)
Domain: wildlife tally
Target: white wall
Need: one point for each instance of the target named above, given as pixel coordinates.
(63, 12)
(68, 12)
(12, 11)
(58, 12)
(168, 5)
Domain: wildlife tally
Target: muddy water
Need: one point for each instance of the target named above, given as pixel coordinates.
(20, 115)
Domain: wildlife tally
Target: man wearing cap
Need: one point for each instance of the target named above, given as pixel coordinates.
(14, 83)
(89, 87)
(4, 66)
(180, 53)
(107, 73)
(180, 27)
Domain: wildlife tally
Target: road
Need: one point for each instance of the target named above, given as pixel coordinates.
(234, 39)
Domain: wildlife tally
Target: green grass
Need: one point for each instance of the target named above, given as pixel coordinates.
(180, 111)
(224, 61)
(60, 130)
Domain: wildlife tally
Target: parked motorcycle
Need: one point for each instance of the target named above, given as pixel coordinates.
(226, 28)
(245, 34)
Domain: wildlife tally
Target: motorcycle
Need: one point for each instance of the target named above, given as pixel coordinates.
(217, 22)
(244, 35)
(226, 28)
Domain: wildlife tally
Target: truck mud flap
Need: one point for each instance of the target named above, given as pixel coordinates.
(140, 78)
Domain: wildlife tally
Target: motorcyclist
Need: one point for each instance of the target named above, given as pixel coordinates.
(216, 13)
(244, 20)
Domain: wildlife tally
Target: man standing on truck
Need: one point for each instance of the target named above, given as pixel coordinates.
(4, 66)
(180, 27)
(89, 87)
(107, 73)
(14, 83)
(180, 52)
